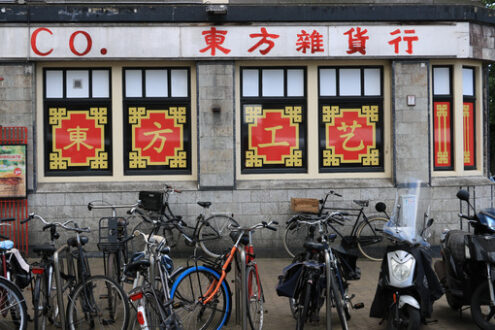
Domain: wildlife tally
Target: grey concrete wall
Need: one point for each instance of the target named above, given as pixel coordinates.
(411, 122)
(216, 124)
(482, 39)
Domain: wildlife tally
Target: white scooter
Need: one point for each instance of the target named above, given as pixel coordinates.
(407, 285)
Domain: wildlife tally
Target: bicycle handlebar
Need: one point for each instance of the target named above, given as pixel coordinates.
(64, 225)
(169, 188)
(260, 225)
(6, 219)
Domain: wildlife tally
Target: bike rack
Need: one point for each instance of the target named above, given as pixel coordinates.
(58, 281)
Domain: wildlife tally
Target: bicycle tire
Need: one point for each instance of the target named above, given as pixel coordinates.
(372, 243)
(213, 235)
(14, 317)
(254, 298)
(85, 297)
(294, 237)
(338, 299)
(328, 296)
(39, 294)
(189, 310)
(302, 313)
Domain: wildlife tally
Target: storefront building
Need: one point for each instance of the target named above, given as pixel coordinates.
(247, 105)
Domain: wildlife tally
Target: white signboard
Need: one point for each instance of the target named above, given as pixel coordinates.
(210, 42)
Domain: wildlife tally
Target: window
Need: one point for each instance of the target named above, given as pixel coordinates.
(442, 118)
(350, 119)
(78, 122)
(469, 119)
(112, 122)
(273, 112)
(457, 143)
(157, 129)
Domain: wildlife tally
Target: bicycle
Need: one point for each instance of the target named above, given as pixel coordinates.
(366, 234)
(152, 303)
(320, 261)
(200, 292)
(209, 232)
(93, 300)
(13, 309)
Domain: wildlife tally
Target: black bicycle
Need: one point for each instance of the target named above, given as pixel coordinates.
(93, 302)
(210, 231)
(366, 233)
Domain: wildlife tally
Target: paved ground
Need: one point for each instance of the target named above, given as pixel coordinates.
(277, 312)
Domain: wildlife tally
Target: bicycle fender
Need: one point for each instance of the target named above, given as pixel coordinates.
(214, 273)
(408, 300)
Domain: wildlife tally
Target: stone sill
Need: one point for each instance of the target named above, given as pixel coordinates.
(456, 181)
(315, 184)
(88, 187)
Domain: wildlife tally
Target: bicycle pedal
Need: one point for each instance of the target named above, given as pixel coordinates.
(358, 305)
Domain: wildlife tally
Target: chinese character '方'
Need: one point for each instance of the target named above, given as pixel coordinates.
(264, 40)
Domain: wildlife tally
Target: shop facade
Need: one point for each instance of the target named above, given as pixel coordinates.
(248, 105)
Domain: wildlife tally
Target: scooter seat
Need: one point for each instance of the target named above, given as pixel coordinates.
(455, 242)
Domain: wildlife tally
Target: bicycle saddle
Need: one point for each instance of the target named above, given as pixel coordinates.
(362, 203)
(73, 241)
(44, 249)
(235, 235)
(204, 204)
(312, 245)
(139, 265)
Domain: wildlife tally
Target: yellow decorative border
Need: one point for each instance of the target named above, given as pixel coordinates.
(330, 157)
(55, 118)
(179, 159)
(251, 115)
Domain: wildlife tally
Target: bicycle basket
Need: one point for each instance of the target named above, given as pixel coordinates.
(112, 231)
(305, 205)
(151, 200)
(287, 283)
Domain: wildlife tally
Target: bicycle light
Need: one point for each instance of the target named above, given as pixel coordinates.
(141, 317)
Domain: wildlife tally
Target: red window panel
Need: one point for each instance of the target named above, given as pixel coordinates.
(468, 132)
(442, 134)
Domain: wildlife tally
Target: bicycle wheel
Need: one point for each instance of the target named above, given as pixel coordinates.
(191, 287)
(370, 239)
(39, 294)
(303, 306)
(338, 299)
(213, 235)
(328, 295)
(13, 310)
(90, 305)
(294, 237)
(254, 298)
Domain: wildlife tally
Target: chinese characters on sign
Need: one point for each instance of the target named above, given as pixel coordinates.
(351, 136)
(157, 141)
(238, 41)
(273, 137)
(79, 140)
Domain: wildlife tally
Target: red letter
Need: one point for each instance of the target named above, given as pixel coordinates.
(88, 39)
(33, 42)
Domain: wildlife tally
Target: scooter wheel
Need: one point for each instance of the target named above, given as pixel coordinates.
(481, 312)
(410, 319)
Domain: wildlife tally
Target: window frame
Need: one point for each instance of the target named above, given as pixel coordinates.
(117, 93)
(458, 100)
(312, 92)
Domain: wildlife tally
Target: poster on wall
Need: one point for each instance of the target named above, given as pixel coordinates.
(12, 171)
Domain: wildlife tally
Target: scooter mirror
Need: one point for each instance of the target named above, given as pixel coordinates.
(380, 207)
(463, 195)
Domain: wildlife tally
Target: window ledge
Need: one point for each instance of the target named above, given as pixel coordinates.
(315, 184)
(457, 181)
(84, 187)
